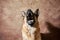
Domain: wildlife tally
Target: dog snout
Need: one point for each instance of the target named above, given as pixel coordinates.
(31, 22)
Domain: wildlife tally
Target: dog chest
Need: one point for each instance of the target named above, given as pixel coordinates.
(28, 33)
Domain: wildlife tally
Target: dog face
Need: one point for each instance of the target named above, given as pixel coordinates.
(31, 17)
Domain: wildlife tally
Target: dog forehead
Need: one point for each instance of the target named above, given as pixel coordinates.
(29, 12)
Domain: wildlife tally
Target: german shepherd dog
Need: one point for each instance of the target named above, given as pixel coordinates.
(30, 29)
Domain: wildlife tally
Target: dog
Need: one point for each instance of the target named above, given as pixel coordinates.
(30, 29)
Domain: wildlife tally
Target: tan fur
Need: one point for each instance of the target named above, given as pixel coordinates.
(31, 33)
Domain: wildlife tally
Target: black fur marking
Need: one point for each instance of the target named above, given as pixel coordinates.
(30, 16)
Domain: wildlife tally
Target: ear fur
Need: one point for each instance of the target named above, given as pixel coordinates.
(23, 14)
(37, 12)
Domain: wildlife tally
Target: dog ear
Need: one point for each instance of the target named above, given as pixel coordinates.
(23, 14)
(37, 12)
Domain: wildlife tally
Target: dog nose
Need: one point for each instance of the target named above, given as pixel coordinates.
(31, 22)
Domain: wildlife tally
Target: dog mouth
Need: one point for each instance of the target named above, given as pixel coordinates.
(31, 22)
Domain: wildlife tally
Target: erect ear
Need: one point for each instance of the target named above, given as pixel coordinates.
(23, 13)
(37, 12)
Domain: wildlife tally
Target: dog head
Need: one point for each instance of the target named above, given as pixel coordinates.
(31, 16)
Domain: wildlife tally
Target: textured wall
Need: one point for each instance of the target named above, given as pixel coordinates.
(11, 19)
(50, 11)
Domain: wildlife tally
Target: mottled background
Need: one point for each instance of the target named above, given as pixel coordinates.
(11, 19)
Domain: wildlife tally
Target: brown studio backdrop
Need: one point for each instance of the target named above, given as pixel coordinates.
(11, 19)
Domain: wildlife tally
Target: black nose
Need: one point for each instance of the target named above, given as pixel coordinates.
(31, 22)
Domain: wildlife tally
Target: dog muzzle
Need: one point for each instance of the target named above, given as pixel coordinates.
(31, 22)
